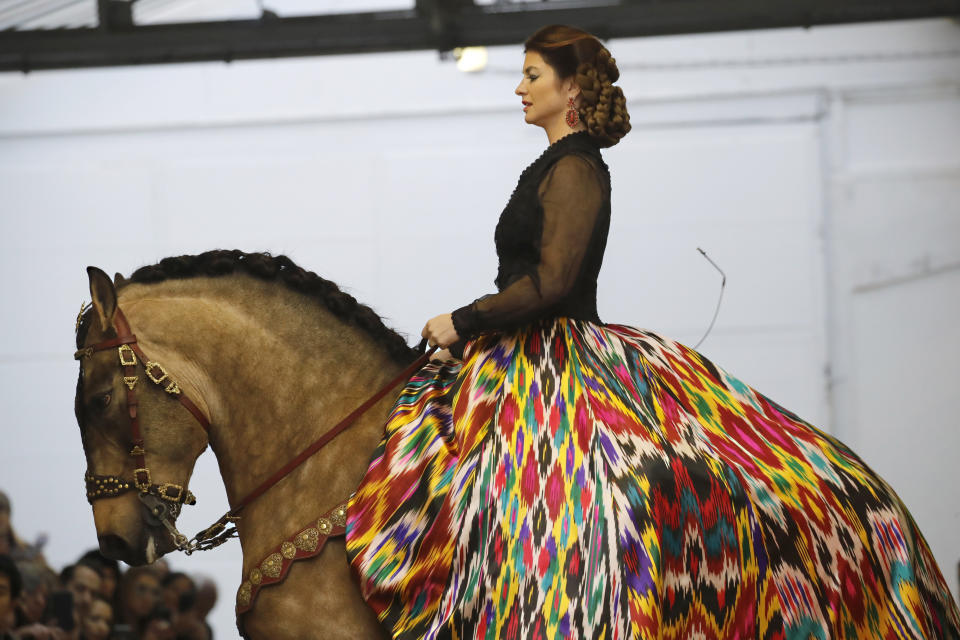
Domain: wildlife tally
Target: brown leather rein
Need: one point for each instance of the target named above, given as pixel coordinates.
(164, 500)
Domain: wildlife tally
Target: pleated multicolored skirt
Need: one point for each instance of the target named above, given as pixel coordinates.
(575, 480)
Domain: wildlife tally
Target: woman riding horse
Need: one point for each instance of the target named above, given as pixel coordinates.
(575, 479)
(551, 476)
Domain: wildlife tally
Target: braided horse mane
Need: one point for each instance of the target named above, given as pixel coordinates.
(264, 266)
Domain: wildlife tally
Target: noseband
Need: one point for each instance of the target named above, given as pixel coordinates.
(163, 500)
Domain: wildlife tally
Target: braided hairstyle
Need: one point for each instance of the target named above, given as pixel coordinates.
(576, 53)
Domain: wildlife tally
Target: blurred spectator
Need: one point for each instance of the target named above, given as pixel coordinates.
(9, 592)
(93, 599)
(83, 581)
(139, 595)
(99, 620)
(39, 582)
(109, 572)
(8, 539)
(10, 543)
(10, 589)
(206, 597)
(193, 625)
(179, 597)
(179, 592)
(157, 625)
(160, 568)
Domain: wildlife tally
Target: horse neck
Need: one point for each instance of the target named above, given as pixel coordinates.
(274, 371)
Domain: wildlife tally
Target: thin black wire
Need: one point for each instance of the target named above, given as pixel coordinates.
(723, 283)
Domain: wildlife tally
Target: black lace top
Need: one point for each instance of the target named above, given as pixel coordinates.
(550, 241)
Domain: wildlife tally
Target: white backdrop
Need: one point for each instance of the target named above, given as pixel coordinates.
(819, 168)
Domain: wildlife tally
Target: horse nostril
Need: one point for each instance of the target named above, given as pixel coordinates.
(114, 547)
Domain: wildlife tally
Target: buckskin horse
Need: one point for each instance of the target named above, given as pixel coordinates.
(256, 357)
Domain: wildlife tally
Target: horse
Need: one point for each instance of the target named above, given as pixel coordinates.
(255, 357)
(268, 354)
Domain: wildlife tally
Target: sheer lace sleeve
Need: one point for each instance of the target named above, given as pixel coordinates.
(571, 195)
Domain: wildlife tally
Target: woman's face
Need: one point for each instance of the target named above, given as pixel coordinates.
(98, 621)
(108, 583)
(544, 95)
(33, 603)
(143, 595)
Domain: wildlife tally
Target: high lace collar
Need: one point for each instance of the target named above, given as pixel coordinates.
(570, 137)
(582, 136)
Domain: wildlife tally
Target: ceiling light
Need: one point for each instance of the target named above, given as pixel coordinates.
(470, 59)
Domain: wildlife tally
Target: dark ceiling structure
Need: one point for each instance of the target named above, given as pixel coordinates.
(429, 24)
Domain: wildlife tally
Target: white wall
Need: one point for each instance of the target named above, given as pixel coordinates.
(820, 168)
(894, 220)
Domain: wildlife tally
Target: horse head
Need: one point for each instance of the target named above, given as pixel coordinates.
(140, 437)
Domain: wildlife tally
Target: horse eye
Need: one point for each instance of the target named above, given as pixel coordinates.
(103, 400)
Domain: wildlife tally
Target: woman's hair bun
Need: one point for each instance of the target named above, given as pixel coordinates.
(604, 107)
(578, 53)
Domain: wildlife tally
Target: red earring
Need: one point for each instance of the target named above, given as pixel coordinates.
(573, 118)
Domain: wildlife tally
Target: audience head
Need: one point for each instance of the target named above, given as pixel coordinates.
(205, 598)
(157, 625)
(160, 567)
(98, 622)
(109, 572)
(39, 581)
(139, 593)
(82, 580)
(10, 584)
(6, 531)
(178, 592)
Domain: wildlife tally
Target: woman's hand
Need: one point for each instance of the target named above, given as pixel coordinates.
(443, 355)
(439, 331)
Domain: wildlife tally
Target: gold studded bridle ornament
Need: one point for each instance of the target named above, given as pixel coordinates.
(164, 500)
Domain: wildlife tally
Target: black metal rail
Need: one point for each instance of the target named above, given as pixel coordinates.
(432, 24)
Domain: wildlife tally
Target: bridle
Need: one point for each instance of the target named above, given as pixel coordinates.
(164, 500)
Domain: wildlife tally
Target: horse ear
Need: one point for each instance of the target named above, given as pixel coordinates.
(104, 296)
(118, 280)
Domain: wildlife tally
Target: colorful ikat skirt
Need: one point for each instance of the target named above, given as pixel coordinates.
(576, 480)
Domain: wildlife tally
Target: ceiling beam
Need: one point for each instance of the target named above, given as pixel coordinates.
(432, 24)
(115, 15)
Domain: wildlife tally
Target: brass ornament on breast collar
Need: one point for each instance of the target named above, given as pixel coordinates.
(306, 544)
